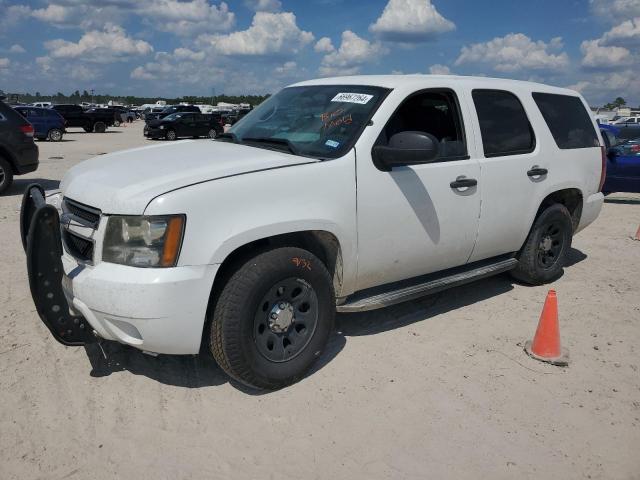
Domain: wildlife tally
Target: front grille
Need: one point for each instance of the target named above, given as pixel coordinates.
(77, 246)
(88, 214)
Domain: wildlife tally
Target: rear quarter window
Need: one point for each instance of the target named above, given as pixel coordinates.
(568, 120)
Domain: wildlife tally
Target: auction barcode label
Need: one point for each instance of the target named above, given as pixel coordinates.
(361, 98)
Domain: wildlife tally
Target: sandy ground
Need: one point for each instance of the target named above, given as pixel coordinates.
(438, 388)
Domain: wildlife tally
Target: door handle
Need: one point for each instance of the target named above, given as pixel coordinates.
(462, 182)
(536, 171)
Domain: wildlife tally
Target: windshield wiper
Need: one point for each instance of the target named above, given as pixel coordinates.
(278, 142)
(228, 135)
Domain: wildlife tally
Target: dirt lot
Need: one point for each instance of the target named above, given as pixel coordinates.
(438, 388)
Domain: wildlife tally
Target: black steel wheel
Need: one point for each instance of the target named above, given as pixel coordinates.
(542, 257)
(273, 317)
(286, 319)
(171, 135)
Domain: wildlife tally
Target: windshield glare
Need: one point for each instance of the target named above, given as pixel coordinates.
(173, 116)
(321, 121)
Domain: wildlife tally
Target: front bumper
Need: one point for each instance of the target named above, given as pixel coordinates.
(154, 133)
(153, 309)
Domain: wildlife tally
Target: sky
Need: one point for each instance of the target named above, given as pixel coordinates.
(200, 47)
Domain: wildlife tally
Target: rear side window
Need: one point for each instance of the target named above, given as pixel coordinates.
(504, 124)
(568, 120)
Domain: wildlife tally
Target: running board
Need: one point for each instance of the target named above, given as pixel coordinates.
(374, 298)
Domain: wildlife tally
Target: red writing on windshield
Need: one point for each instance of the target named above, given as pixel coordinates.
(335, 119)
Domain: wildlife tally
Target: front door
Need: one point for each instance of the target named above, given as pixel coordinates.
(413, 220)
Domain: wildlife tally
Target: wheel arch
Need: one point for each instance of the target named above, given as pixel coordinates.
(571, 198)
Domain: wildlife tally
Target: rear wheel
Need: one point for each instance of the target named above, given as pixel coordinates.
(273, 318)
(6, 175)
(171, 135)
(99, 127)
(55, 135)
(213, 133)
(542, 258)
(116, 123)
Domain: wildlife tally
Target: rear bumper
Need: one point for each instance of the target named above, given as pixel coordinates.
(157, 310)
(26, 159)
(590, 210)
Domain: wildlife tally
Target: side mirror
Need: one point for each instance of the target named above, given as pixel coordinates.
(406, 148)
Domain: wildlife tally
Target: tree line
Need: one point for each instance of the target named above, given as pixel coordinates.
(99, 98)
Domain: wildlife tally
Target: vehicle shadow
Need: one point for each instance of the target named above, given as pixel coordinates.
(574, 256)
(20, 185)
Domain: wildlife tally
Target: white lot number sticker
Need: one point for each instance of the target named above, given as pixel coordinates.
(361, 98)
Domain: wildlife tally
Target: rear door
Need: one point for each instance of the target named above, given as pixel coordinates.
(513, 172)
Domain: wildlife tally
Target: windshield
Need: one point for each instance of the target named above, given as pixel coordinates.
(173, 116)
(320, 121)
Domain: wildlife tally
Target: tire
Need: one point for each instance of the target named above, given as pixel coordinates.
(55, 135)
(258, 349)
(99, 127)
(116, 123)
(213, 133)
(170, 135)
(6, 175)
(543, 255)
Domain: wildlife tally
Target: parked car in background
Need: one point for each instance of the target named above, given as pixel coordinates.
(18, 151)
(48, 123)
(627, 121)
(184, 124)
(93, 120)
(623, 163)
(41, 104)
(171, 109)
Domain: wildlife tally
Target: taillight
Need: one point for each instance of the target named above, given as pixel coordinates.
(603, 174)
(635, 148)
(27, 130)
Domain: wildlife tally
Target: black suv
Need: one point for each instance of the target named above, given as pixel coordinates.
(170, 110)
(18, 151)
(185, 124)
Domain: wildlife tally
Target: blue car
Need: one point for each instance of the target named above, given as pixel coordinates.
(48, 124)
(623, 162)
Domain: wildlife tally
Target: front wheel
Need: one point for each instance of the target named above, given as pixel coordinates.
(116, 123)
(99, 127)
(55, 135)
(213, 133)
(171, 135)
(543, 255)
(273, 318)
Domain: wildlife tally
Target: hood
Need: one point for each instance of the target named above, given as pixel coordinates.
(125, 182)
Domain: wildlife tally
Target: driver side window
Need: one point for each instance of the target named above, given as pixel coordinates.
(435, 112)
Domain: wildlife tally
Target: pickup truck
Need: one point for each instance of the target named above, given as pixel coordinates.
(334, 195)
(94, 120)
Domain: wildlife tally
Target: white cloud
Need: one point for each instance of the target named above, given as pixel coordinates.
(186, 17)
(438, 69)
(410, 21)
(269, 34)
(626, 34)
(4, 62)
(52, 14)
(186, 54)
(515, 52)
(605, 86)
(111, 44)
(615, 10)
(597, 56)
(263, 5)
(83, 73)
(353, 53)
(15, 48)
(287, 68)
(324, 45)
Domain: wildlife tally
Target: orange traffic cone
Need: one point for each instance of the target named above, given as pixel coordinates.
(637, 237)
(546, 342)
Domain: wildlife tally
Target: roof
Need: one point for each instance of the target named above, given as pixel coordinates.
(424, 81)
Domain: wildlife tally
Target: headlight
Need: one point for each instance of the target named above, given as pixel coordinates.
(161, 127)
(143, 241)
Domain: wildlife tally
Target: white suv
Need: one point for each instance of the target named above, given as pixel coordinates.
(341, 194)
